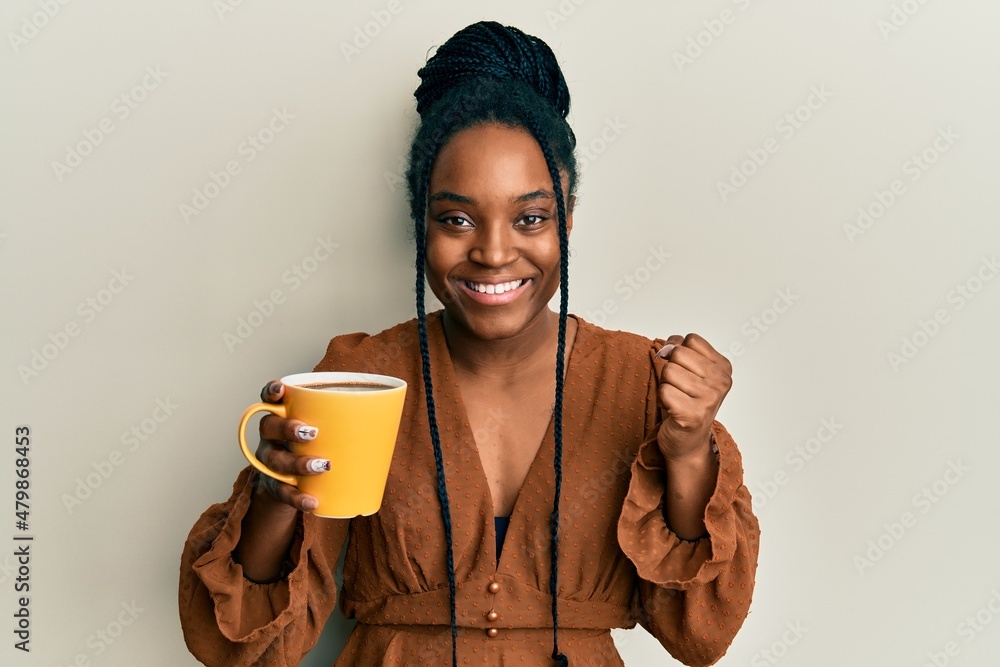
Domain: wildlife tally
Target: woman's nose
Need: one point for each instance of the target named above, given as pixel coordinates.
(493, 245)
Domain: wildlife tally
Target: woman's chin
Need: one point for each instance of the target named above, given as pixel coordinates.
(497, 323)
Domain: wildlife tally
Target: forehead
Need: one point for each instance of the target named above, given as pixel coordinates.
(490, 158)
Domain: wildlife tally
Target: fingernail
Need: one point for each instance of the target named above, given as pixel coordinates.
(274, 388)
(666, 350)
(310, 503)
(307, 433)
(319, 465)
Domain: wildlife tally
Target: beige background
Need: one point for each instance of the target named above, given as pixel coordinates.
(831, 305)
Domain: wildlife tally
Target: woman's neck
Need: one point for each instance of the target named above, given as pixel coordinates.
(506, 360)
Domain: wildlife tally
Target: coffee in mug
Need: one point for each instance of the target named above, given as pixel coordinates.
(357, 416)
(347, 386)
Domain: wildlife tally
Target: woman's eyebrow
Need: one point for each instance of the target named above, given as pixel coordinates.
(445, 195)
(537, 194)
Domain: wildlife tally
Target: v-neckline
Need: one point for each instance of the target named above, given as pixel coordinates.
(547, 444)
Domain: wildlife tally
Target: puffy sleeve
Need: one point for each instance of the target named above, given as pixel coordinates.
(693, 596)
(230, 620)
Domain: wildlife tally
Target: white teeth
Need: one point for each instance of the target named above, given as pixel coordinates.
(495, 289)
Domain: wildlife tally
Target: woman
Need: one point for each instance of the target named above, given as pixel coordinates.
(622, 503)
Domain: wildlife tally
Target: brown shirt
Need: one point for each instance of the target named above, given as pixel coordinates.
(619, 563)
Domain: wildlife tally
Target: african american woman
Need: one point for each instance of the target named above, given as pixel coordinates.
(552, 479)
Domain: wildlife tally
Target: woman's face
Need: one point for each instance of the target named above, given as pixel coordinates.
(493, 226)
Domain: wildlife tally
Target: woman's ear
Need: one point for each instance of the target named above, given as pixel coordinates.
(570, 204)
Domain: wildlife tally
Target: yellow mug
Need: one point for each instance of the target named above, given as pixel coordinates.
(357, 416)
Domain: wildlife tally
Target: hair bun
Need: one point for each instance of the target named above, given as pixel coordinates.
(488, 48)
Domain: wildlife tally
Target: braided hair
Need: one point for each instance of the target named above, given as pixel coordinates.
(488, 73)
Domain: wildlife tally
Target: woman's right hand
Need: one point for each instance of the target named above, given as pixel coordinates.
(274, 452)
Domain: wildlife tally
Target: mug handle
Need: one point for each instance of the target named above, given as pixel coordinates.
(275, 409)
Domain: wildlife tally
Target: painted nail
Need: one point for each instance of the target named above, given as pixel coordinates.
(319, 465)
(307, 433)
(666, 350)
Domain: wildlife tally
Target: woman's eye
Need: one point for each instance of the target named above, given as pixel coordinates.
(456, 221)
(532, 220)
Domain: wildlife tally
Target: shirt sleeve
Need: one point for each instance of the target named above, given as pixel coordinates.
(228, 619)
(693, 596)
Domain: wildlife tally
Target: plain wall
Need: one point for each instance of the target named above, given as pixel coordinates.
(864, 351)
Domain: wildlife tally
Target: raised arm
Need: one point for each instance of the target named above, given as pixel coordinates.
(686, 522)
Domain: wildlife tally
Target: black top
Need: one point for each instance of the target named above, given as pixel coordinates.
(501, 523)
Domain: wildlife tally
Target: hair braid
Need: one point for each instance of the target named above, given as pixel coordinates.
(561, 660)
(442, 488)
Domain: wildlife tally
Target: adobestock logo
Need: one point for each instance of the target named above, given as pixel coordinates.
(101, 639)
(914, 169)
(87, 310)
(121, 109)
(958, 297)
(924, 501)
(755, 327)
(787, 126)
(264, 309)
(779, 648)
(248, 149)
(30, 26)
(711, 32)
(365, 34)
(899, 17)
(796, 458)
(224, 7)
(131, 439)
(630, 284)
(968, 629)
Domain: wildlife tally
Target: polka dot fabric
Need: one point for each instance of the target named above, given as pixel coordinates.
(619, 563)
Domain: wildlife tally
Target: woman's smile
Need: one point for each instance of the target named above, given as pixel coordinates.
(494, 292)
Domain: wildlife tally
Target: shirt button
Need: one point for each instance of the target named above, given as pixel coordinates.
(492, 632)
(494, 587)
(492, 615)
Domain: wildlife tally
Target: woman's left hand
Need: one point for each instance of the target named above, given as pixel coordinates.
(693, 383)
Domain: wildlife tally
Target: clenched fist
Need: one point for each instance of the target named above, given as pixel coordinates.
(692, 385)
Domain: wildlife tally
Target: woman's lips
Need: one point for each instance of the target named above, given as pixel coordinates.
(493, 299)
